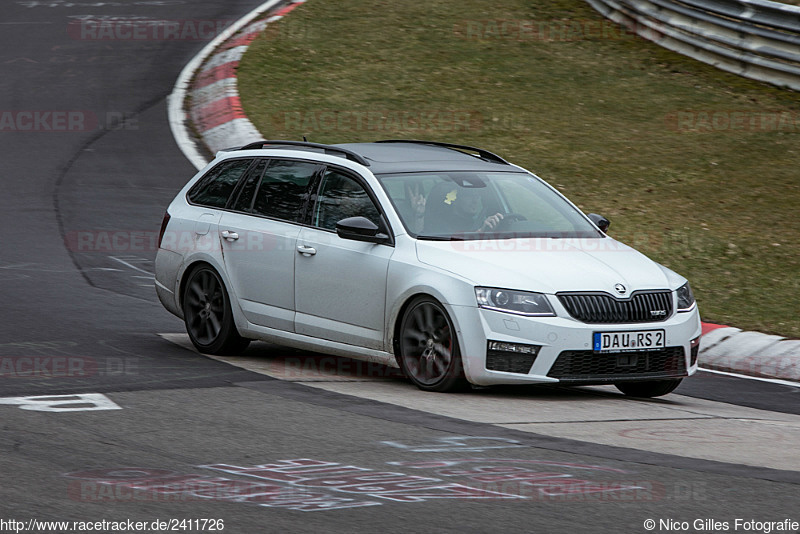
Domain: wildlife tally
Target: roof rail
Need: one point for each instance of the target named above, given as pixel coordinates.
(347, 154)
(483, 154)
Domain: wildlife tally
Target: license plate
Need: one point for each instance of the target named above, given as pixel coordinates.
(629, 341)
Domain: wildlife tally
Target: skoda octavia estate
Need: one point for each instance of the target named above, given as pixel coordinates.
(445, 260)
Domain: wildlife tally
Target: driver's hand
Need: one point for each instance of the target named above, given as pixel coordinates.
(491, 222)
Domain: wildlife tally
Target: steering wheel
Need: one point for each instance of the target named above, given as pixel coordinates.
(508, 218)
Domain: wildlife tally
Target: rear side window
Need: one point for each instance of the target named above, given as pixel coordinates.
(217, 185)
(244, 202)
(284, 189)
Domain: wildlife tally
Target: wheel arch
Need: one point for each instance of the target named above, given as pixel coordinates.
(397, 319)
(228, 340)
(184, 279)
(454, 377)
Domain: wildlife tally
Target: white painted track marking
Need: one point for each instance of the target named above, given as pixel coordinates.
(177, 115)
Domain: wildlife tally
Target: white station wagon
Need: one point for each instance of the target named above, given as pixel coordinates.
(445, 260)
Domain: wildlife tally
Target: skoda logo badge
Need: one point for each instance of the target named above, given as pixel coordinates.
(619, 288)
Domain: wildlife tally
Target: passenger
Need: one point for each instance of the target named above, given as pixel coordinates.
(415, 195)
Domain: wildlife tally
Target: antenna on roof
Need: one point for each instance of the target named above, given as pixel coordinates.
(304, 139)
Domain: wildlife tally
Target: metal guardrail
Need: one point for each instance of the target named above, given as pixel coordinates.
(758, 39)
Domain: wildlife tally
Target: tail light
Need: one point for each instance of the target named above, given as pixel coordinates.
(164, 223)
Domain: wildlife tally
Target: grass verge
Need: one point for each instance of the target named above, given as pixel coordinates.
(695, 167)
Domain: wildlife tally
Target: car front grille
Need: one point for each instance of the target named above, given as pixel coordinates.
(641, 307)
(591, 367)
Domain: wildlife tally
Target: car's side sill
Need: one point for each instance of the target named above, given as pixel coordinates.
(300, 341)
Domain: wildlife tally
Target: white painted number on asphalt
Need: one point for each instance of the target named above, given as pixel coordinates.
(63, 403)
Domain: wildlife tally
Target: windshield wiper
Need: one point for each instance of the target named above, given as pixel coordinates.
(440, 238)
(467, 236)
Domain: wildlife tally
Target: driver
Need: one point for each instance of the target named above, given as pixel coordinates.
(468, 211)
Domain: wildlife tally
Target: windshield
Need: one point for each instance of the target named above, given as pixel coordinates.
(477, 205)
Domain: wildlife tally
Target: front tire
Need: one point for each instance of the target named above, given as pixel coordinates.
(428, 348)
(654, 388)
(208, 316)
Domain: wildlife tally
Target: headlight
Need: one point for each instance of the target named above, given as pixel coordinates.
(685, 298)
(520, 302)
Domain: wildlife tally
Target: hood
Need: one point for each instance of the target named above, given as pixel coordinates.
(549, 265)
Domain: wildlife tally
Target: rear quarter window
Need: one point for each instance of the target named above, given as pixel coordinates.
(214, 189)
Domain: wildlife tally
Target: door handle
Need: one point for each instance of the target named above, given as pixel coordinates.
(306, 251)
(230, 236)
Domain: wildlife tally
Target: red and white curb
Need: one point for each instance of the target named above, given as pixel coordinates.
(209, 80)
(729, 350)
(209, 83)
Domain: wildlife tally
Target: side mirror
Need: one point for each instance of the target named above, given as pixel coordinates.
(601, 222)
(360, 229)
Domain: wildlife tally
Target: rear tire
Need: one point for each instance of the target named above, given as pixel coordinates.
(653, 388)
(428, 348)
(208, 316)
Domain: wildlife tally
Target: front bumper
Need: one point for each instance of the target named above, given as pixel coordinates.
(566, 355)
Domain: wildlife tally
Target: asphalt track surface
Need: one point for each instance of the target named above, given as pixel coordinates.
(91, 308)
